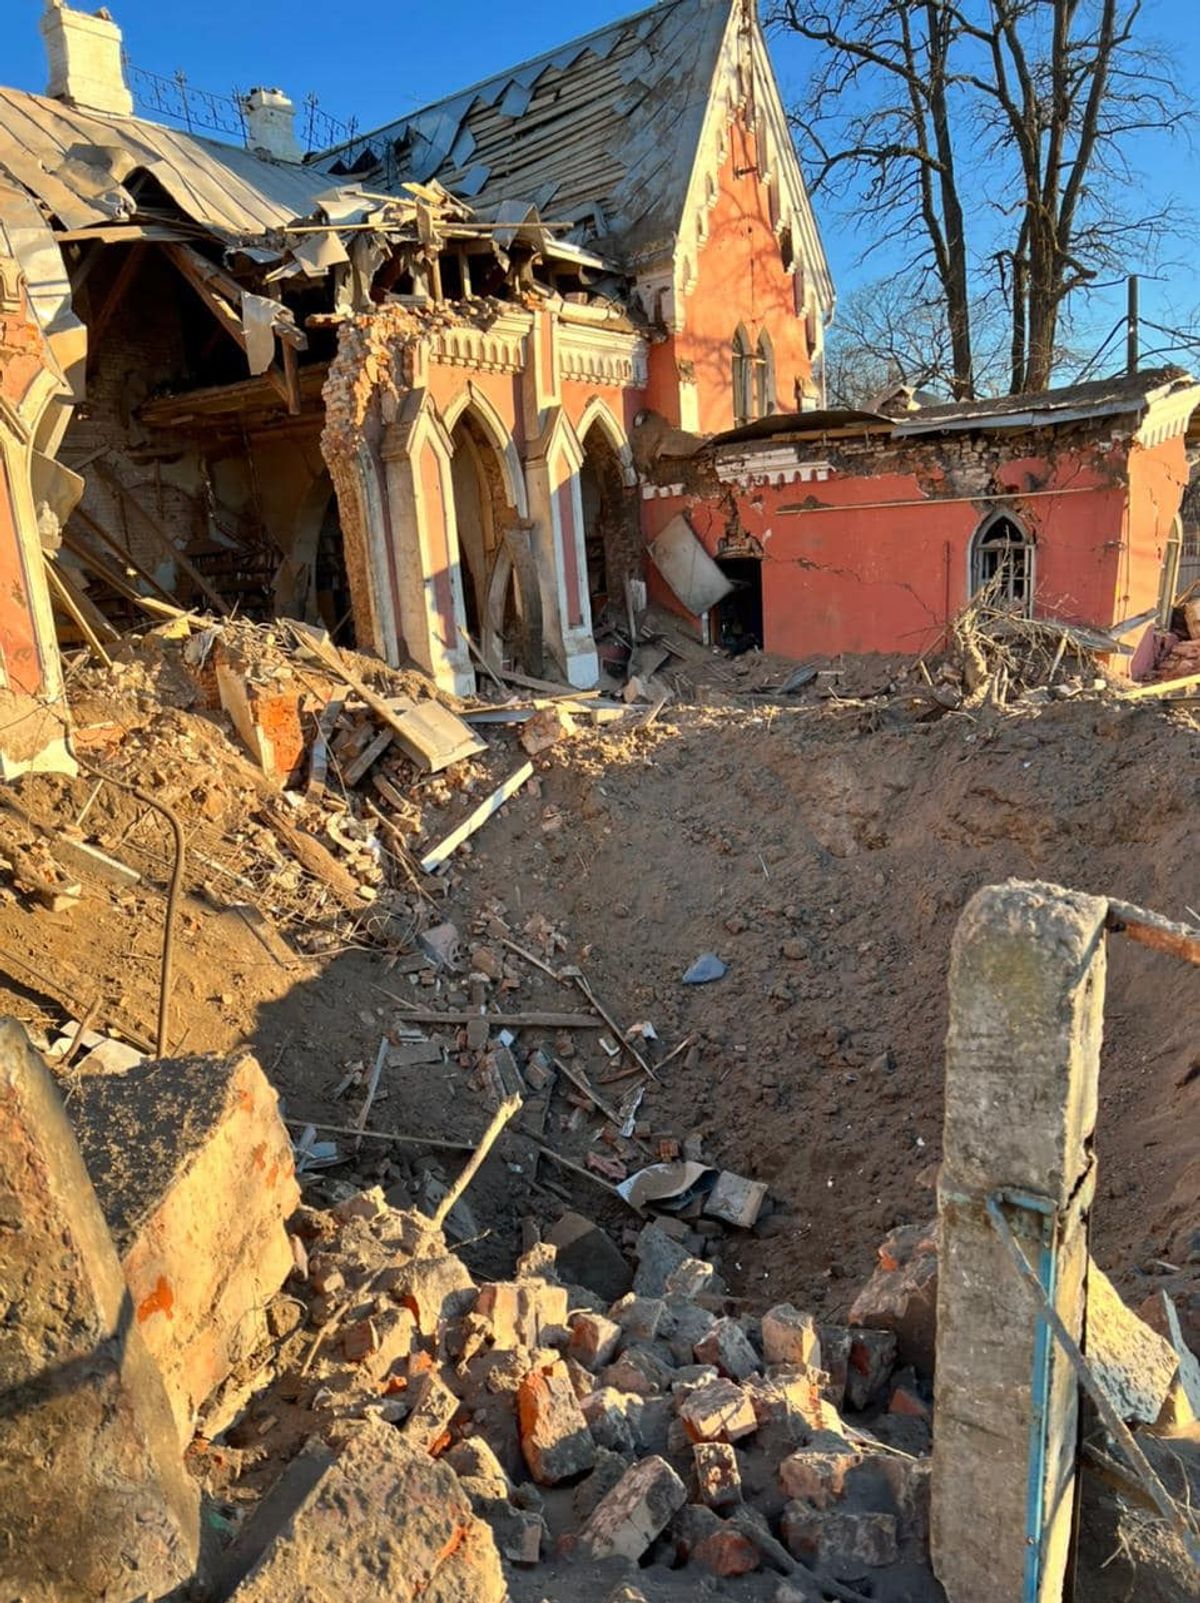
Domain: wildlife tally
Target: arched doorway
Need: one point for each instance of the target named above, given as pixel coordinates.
(312, 582)
(501, 596)
(610, 526)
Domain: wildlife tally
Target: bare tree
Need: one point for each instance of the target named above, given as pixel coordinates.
(992, 138)
(894, 331)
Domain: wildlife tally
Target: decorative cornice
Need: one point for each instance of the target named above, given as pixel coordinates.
(601, 356)
(652, 492)
(769, 465)
(1167, 416)
(499, 348)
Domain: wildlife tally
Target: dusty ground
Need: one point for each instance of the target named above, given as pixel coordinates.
(823, 852)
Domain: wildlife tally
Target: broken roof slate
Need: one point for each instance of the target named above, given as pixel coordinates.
(610, 120)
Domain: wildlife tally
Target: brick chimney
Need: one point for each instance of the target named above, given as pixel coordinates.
(85, 59)
(270, 124)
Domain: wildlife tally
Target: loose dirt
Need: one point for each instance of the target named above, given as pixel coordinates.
(823, 851)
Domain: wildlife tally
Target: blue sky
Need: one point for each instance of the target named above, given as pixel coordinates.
(404, 56)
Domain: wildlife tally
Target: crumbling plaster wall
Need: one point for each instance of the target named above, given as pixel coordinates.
(844, 573)
(32, 717)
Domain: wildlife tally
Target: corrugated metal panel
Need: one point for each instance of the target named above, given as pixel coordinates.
(222, 186)
(610, 120)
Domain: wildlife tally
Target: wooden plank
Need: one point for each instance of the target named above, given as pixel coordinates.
(474, 820)
(432, 739)
(161, 535)
(120, 285)
(68, 603)
(319, 756)
(498, 1021)
(212, 286)
(122, 555)
(354, 771)
(1165, 687)
(319, 862)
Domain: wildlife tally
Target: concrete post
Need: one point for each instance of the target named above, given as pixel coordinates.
(94, 1498)
(1022, 1063)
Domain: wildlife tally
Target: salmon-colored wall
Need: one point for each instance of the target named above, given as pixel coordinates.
(740, 278)
(869, 578)
(22, 355)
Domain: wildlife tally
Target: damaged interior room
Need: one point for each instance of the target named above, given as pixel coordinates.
(599, 908)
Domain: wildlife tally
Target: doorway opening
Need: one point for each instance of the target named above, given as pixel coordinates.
(739, 620)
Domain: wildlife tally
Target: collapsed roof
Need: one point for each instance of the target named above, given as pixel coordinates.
(601, 132)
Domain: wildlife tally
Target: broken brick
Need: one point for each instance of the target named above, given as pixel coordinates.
(827, 1538)
(718, 1412)
(555, 1439)
(872, 1357)
(728, 1347)
(609, 1414)
(727, 1552)
(790, 1337)
(718, 1479)
(524, 1313)
(639, 1506)
(594, 1339)
(816, 1475)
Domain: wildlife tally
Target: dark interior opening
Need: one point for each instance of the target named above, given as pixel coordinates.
(740, 615)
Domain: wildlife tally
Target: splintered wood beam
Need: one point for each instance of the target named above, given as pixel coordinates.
(160, 534)
(70, 601)
(212, 286)
(1151, 929)
(120, 553)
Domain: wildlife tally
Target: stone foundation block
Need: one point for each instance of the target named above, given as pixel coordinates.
(94, 1500)
(193, 1169)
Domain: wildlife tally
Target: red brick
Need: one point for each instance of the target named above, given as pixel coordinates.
(727, 1552)
(555, 1438)
(718, 1479)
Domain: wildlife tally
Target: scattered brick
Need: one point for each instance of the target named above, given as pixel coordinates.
(727, 1552)
(817, 1476)
(718, 1479)
(594, 1339)
(810, 1535)
(728, 1347)
(639, 1506)
(718, 1412)
(434, 1405)
(790, 1337)
(555, 1438)
(872, 1358)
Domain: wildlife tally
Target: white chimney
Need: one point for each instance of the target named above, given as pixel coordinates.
(85, 59)
(270, 125)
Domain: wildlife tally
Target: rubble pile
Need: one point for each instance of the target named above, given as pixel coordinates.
(665, 1427)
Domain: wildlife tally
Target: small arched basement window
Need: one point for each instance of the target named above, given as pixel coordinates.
(743, 378)
(1002, 564)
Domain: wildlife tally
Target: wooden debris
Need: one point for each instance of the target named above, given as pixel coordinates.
(506, 1110)
(1165, 687)
(618, 1032)
(1150, 929)
(318, 861)
(474, 820)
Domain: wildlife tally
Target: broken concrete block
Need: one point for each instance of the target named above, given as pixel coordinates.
(474, 1461)
(840, 1539)
(583, 1381)
(588, 1495)
(718, 1412)
(901, 1295)
(524, 1313)
(736, 1200)
(441, 944)
(588, 1256)
(718, 1479)
(193, 1168)
(1133, 1363)
(658, 1256)
(555, 1438)
(638, 1370)
(689, 1324)
(640, 1506)
(434, 1405)
(395, 1339)
(610, 1418)
(692, 1278)
(817, 1475)
(790, 1337)
(728, 1347)
(435, 1284)
(594, 1339)
(639, 1318)
(414, 1535)
(872, 1358)
(94, 1499)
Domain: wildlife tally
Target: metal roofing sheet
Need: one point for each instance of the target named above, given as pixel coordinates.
(612, 120)
(222, 186)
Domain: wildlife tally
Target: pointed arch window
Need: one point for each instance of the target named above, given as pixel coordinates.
(743, 378)
(1002, 564)
(764, 376)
